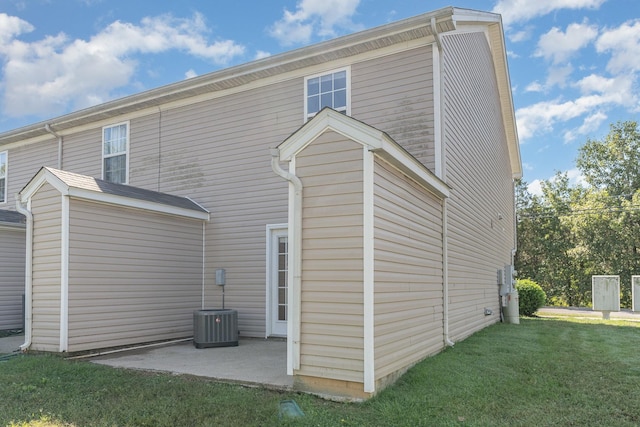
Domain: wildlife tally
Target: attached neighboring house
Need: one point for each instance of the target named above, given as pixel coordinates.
(358, 192)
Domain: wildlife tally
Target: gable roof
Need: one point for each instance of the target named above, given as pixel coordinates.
(422, 26)
(88, 188)
(375, 140)
(12, 218)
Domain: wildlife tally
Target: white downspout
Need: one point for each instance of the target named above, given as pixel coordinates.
(47, 127)
(515, 226)
(445, 274)
(28, 274)
(441, 172)
(295, 271)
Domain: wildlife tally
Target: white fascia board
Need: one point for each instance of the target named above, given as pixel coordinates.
(43, 176)
(112, 199)
(326, 119)
(475, 16)
(396, 156)
(377, 141)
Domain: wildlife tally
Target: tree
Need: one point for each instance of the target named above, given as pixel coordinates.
(612, 164)
(610, 228)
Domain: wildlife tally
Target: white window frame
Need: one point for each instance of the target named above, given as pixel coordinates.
(125, 152)
(6, 173)
(307, 115)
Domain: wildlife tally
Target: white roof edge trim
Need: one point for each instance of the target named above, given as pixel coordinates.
(94, 196)
(396, 156)
(377, 141)
(44, 176)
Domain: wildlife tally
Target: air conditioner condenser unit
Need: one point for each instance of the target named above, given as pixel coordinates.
(215, 328)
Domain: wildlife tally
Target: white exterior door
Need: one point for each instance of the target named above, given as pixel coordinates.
(277, 281)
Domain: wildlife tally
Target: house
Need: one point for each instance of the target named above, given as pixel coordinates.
(12, 254)
(359, 194)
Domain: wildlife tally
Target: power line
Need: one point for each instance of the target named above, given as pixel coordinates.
(576, 212)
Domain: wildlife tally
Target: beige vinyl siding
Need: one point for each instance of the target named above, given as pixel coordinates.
(134, 276)
(12, 264)
(477, 168)
(332, 259)
(217, 153)
(407, 270)
(394, 93)
(82, 152)
(24, 163)
(46, 205)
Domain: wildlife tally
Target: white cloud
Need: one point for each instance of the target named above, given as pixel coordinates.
(541, 117)
(522, 35)
(514, 11)
(557, 46)
(590, 124)
(598, 94)
(190, 74)
(12, 26)
(535, 187)
(48, 76)
(534, 87)
(261, 54)
(576, 178)
(558, 76)
(624, 44)
(314, 16)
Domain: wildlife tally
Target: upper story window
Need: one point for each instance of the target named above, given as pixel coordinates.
(3, 177)
(328, 90)
(115, 153)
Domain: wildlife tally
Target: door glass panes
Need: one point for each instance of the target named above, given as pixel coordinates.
(283, 251)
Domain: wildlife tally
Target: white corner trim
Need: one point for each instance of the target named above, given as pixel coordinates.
(112, 199)
(368, 274)
(64, 274)
(437, 112)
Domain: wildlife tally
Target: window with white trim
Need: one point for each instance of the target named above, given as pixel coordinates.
(327, 90)
(3, 177)
(115, 153)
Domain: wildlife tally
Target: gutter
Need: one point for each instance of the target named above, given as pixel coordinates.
(441, 172)
(445, 275)
(47, 127)
(295, 271)
(28, 274)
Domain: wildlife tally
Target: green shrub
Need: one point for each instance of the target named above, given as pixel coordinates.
(530, 296)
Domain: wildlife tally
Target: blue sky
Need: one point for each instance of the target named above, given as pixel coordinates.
(574, 64)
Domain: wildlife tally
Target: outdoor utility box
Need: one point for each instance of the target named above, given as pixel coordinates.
(215, 328)
(605, 293)
(635, 293)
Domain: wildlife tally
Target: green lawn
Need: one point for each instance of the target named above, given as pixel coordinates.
(543, 372)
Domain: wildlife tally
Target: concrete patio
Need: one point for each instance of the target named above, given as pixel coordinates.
(253, 362)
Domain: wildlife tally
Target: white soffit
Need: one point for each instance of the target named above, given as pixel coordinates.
(377, 141)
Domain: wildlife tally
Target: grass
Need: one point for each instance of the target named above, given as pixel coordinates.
(546, 371)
